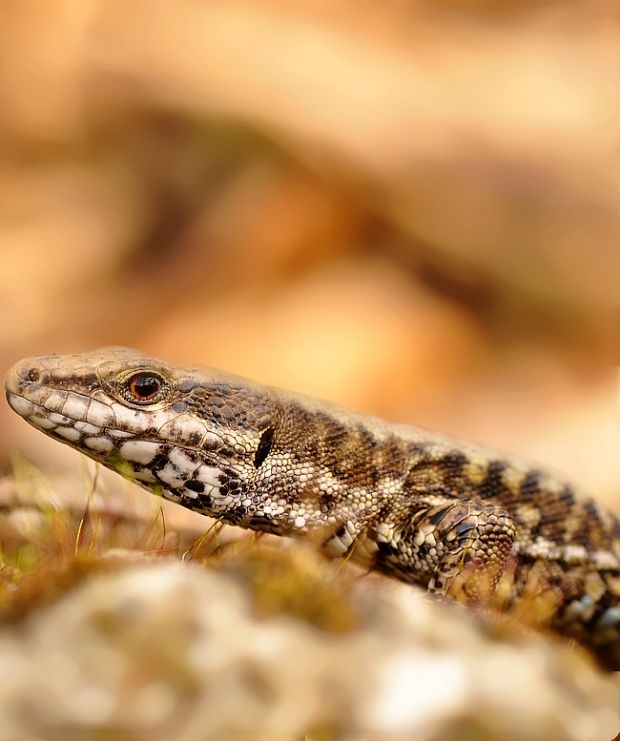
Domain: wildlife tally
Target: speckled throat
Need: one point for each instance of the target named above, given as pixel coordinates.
(447, 515)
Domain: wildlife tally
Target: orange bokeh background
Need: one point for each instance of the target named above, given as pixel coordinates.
(410, 208)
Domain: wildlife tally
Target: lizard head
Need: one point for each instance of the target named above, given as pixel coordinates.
(195, 435)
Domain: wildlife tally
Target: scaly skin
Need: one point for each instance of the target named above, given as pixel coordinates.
(449, 516)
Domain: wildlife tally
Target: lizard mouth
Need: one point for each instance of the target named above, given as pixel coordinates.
(77, 419)
(76, 431)
(100, 443)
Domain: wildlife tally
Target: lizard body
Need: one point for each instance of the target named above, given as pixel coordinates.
(447, 515)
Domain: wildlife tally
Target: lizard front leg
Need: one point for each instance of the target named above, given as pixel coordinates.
(453, 548)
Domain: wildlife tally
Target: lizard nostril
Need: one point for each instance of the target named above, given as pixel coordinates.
(33, 375)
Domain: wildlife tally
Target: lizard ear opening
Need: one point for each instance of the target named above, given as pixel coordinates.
(264, 447)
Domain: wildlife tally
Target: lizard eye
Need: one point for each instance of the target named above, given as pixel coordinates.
(144, 386)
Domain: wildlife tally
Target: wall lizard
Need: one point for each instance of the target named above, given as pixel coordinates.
(444, 514)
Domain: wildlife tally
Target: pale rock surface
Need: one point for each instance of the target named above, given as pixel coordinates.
(162, 650)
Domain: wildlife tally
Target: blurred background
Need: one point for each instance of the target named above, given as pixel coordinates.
(408, 207)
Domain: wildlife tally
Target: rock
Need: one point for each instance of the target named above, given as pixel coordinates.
(162, 649)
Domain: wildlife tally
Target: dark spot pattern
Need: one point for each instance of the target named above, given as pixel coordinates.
(492, 485)
(264, 447)
(530, 485)
(194, 485)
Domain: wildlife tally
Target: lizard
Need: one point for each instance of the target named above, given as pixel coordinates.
(452, 517)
